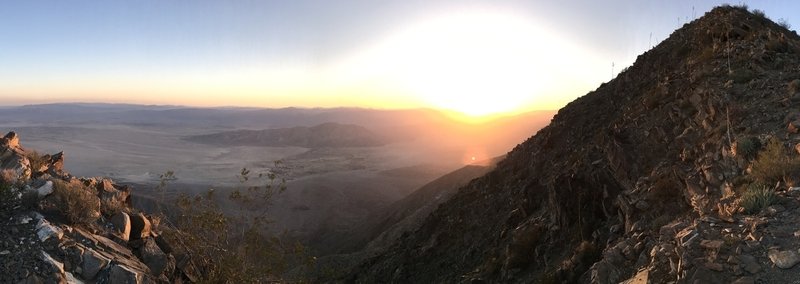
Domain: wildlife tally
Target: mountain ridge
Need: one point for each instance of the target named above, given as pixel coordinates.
(624, 174)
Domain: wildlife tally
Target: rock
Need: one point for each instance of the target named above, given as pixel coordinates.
(744, 280)
(642, 277)
(92, 264)
(638, 226)
(153, 257)
(671, 229)
(44, 230)
(714, 266)
(72, 280)
(140, 227)
(642, 205)
(714, 245)
(793, 126)
(57, 163)
(55, 265)
(163, 244)
(749, 263)
(122, 224)
(45, 190)
(604, 272)
(784, 259)
(774, 209)
(123, 275)
(11, 140)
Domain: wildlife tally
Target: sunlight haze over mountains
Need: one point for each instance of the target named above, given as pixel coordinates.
(472, 57)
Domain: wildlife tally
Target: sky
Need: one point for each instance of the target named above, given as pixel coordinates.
(473, 57)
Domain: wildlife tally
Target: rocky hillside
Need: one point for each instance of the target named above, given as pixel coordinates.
(657, 176)
(323, 135)
(57, 228)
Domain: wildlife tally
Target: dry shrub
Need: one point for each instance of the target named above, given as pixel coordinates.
(774, 163)
(111, 206)
(76, 202)
(8, 176)
(36, 160)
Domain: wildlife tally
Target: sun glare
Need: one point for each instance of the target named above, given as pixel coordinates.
(477, 63)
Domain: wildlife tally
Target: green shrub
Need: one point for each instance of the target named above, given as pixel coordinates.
(757, 197)
(773, 163)
(747, 147)
(76, 202)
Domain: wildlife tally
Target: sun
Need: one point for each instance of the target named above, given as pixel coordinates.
(477, 63)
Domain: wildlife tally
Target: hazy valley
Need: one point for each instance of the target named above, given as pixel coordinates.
(333, 189)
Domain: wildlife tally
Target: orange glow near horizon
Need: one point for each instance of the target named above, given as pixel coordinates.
(475, 65)
(476, 156)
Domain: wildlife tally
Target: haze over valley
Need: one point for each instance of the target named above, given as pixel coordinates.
(342, 165)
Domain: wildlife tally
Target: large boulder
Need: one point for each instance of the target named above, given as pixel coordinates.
(154, 258)
(140, 227)
(123, 275)
(93, 263)
(111, 193)
(14, 164)
(122, 225)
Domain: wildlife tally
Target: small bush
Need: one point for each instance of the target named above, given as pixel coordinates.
(76, 202)
(759, 13)
(784, 23)
(757, 197)
(37, 161)
(773, 163)
(8, 176)
(111, 206)
(747, 147)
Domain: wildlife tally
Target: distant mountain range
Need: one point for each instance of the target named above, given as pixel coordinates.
(323, 135)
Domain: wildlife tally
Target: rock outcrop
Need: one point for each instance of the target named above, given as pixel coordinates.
(642, 180)
(39, 245)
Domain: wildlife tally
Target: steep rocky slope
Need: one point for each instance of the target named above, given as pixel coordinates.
(56, 228)
(640, 179)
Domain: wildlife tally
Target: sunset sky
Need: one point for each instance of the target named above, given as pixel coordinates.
(475, 57)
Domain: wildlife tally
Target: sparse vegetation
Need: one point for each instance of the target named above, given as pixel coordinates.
(747, 147)
(759, 13)
(784, 23)
(111, 206)
(773, 163)
(235, 248)
(37, 160)
(756, 197)
(8, 200)
(76, 202)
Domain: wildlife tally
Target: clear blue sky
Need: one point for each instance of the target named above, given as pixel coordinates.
(279, 53)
